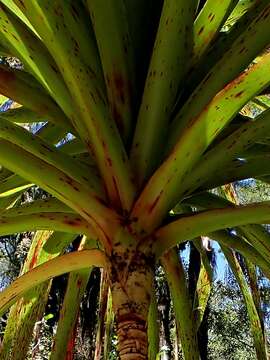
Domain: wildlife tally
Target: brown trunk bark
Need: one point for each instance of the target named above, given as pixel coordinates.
(131, 281)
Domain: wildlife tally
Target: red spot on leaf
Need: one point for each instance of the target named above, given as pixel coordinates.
(109, 160)
(100, 200)
(201, 30)
(70, 347)
(116, 187)
(242, 50)
(71, 222)
(34, 258)
(74, 12)
(118, 118)
(239, 94)
(22, 4)
(155, 202)
(119, 84)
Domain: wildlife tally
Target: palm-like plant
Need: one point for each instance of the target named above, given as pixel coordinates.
(150, 91)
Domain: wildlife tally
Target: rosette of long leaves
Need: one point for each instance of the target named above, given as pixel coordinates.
(147, 96)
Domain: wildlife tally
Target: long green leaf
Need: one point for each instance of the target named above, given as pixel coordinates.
(208, 23)
(253, 282)
(168, 66)
(254, 318)
(240, 9)
(204, 283)
(239, 169)
(57, 183)
(243, 247)
(4, 173)
(117, 60)
(9, 201)
(242, 52)
(41, 149)
(4, 51)
(95, 125)
(73, 147)
(227, 150)
(29, 309)
(77, 282)
(33, 98)
(163, 190)
(259, 335)
(66, 222)
(22, 115)
(10, 4)
(189, 227)
(29, 48)
(182, 305)
(55, 267)
(78, 23)
(220, 49)
(12, 185)
(256, 234)
(51, 133)
(38, 206)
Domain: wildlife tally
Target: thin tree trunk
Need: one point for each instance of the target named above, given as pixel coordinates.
(203, 335)
(109, 323)
(131, 283)
(194, 269)
(153, 328)
(103, 297)
(176, 344)
(164, 305)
